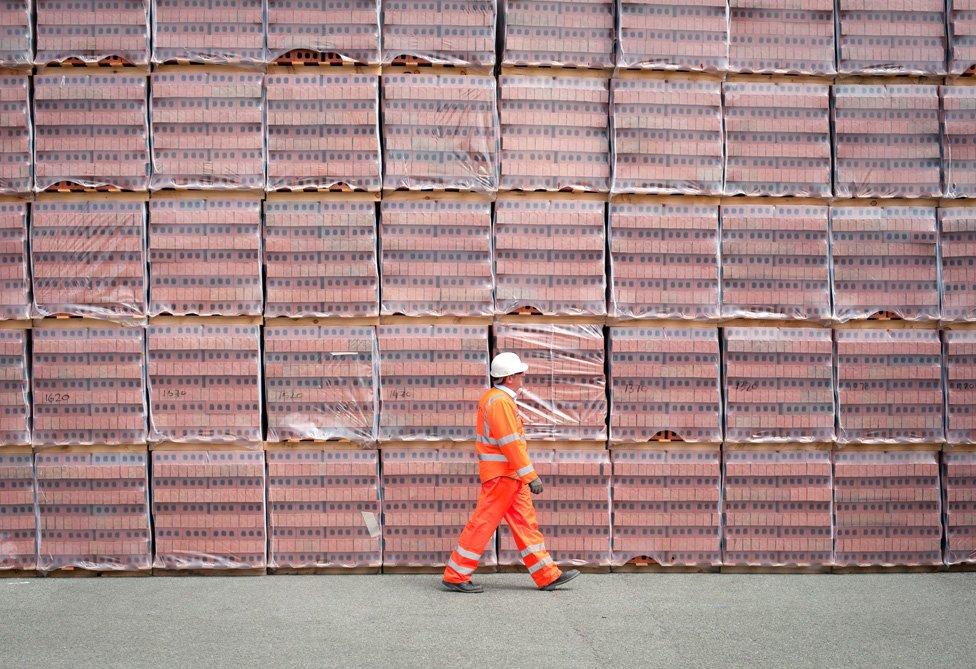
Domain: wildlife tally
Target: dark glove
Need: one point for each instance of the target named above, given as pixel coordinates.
(536, 486)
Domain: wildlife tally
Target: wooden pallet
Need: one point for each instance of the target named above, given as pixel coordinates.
(648, 565)
(312, 58)
(248, 571)
(110, 61)
(666, 437)
(75, 572)
(893, 569)
(324, 571)
(19, 573)
(525, 311)
(885, 316)
(72, 187)
(335, 188)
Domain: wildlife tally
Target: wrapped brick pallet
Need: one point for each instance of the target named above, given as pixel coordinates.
(962, 36)
(559, 33)
(18, 513)
(672, 35)
(16, 33)
(348, 29)
(15, 300)
(439, 31)
(15, 409)
(891, 37)
(16, 144)
(959, 475)
(781, 36)
(92, 31)
(957, 255)
(958, 147)
(960, 378)
(208, 31)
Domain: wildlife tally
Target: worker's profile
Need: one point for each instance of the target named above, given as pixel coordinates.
(507, 478)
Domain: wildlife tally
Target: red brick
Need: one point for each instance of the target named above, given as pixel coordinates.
(577, 33)
(15, 131)
(440, 31)
(208, 31)
(91, 30)
(349, 29)
(669, 35)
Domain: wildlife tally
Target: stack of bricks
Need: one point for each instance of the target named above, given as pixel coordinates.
(777, 139)
(664, 260)
(666, 505)
(779, 385)
(204, 382)
(574, 515)
(564, 397)
(665, 379)
(775, 261)
(436, 257)
(18, 522)
(208, 31)
(670, 35)
(88, 257)
(347, 29)
(14, 279)
(205, 257)
(207, 129)
(960, 378)
(891, 37)
(93, 510)
(91, 130)
(889, 386)
(440, 131)
(431, 378)
(320, 258)
(885, 259)
(886, 141)
(15, 133)
(887, 508)
(88, 385)
(962, 36)
(959, 474)
(550, 256)
(92, 30)
(14, 388)
(428, 496)
(958, 147)
(774, 36)
(208, 509)
(778, 507)
(439, 32)
(324, 508)
(323, 131)
(320, 382)
(554, 132)
(566, 33)
(16, 33)
(667, 136)
(957, 255)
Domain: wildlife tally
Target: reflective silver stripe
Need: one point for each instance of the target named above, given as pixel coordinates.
(492, 457)
(534, 548)
(527, 469)
(540, 564)
(458, 568)
(508, 438)
(466, 553)
(486, 443)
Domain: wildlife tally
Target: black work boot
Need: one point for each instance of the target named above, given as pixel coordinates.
(566, 577)
(467, 587)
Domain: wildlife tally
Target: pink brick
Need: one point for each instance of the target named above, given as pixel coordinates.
(348, 29)
(667, 35)
(559, 33)
(208, 31)
(15, 133)
(962, 36)
(16, 33)
(92, 30)
(960, 373)
(18, 522)
(15, 411)
(14, 279)
(795, 37)
(885, 37)
(440, 31)
(959, 475)
(958, 148)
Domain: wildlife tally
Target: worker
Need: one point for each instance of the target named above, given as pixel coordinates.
(507, 476)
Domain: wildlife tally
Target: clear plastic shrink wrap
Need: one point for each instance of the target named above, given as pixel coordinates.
(672, 35)
(208, 31)
(16, 33)
(452, 32)
(962, 36)
(15, 300)
(16, 143)
(781, 36)
(92, 30)
(15, 408)
(559, 33)
(957, 256)
(349, 29)
(958, 147)
(959, 474)
(960, 378)
(18, 513)
(891, 37)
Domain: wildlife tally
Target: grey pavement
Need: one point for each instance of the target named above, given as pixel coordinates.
(606, 620)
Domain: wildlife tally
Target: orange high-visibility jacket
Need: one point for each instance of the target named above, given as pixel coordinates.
(501, 439)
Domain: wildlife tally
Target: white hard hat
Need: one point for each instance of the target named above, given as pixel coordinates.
(506, 364)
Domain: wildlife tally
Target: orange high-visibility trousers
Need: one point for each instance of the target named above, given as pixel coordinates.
(507, 498)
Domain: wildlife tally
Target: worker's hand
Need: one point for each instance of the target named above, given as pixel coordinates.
(536, 486)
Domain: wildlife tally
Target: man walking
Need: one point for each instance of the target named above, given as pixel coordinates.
(507, 477)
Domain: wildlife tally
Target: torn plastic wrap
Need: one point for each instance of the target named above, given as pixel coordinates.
(564, 396)
(777, 139)
(347, 29)
(670, 35)
(441, 32)
(208, 509)
(324, 508)
(779, 385)
(889, 386)
(16, 33)
(781, 36)
(957, 255)
(555, 133)
(18, 518)
(664, 260)
(574, 514)
(962, 36)
(323, 131)
(886, 141)
(88, 258)
(204, 383)
(550, 256)
(958, 128)
(775, 261)
(665, 381)
(887, 507)
(91, 130)
(208, 31)
(93, 510)
(884, 37)
(15, 410)
(667, 136)
(440, 131)
(321, 382)
(960, 379)
(559, 33)
(431, 378)
(92, 30)
(959, 475)
(205, 257)
(207, 129)
(777, 507)
(16, 145)
(320, 258)
(15, 300)
(428, 496)
(885, 259)
(436, 256)
(88, 385)
(667, 505)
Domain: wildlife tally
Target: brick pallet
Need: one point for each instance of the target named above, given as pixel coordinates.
(962, 33)
(15, 280)
(959, 480)
(439, 31)
(15, 409)
(669, 35)
(959, 350)
(958, 128)
(16, 33)
(350, 30)
(92, 30)
(562, 33)
(18, 519)
(891, 37)
(209, 31)
(777, 37)
(957, 255)
(15, 133)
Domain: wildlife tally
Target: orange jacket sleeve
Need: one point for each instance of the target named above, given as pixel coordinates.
(504, 427)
